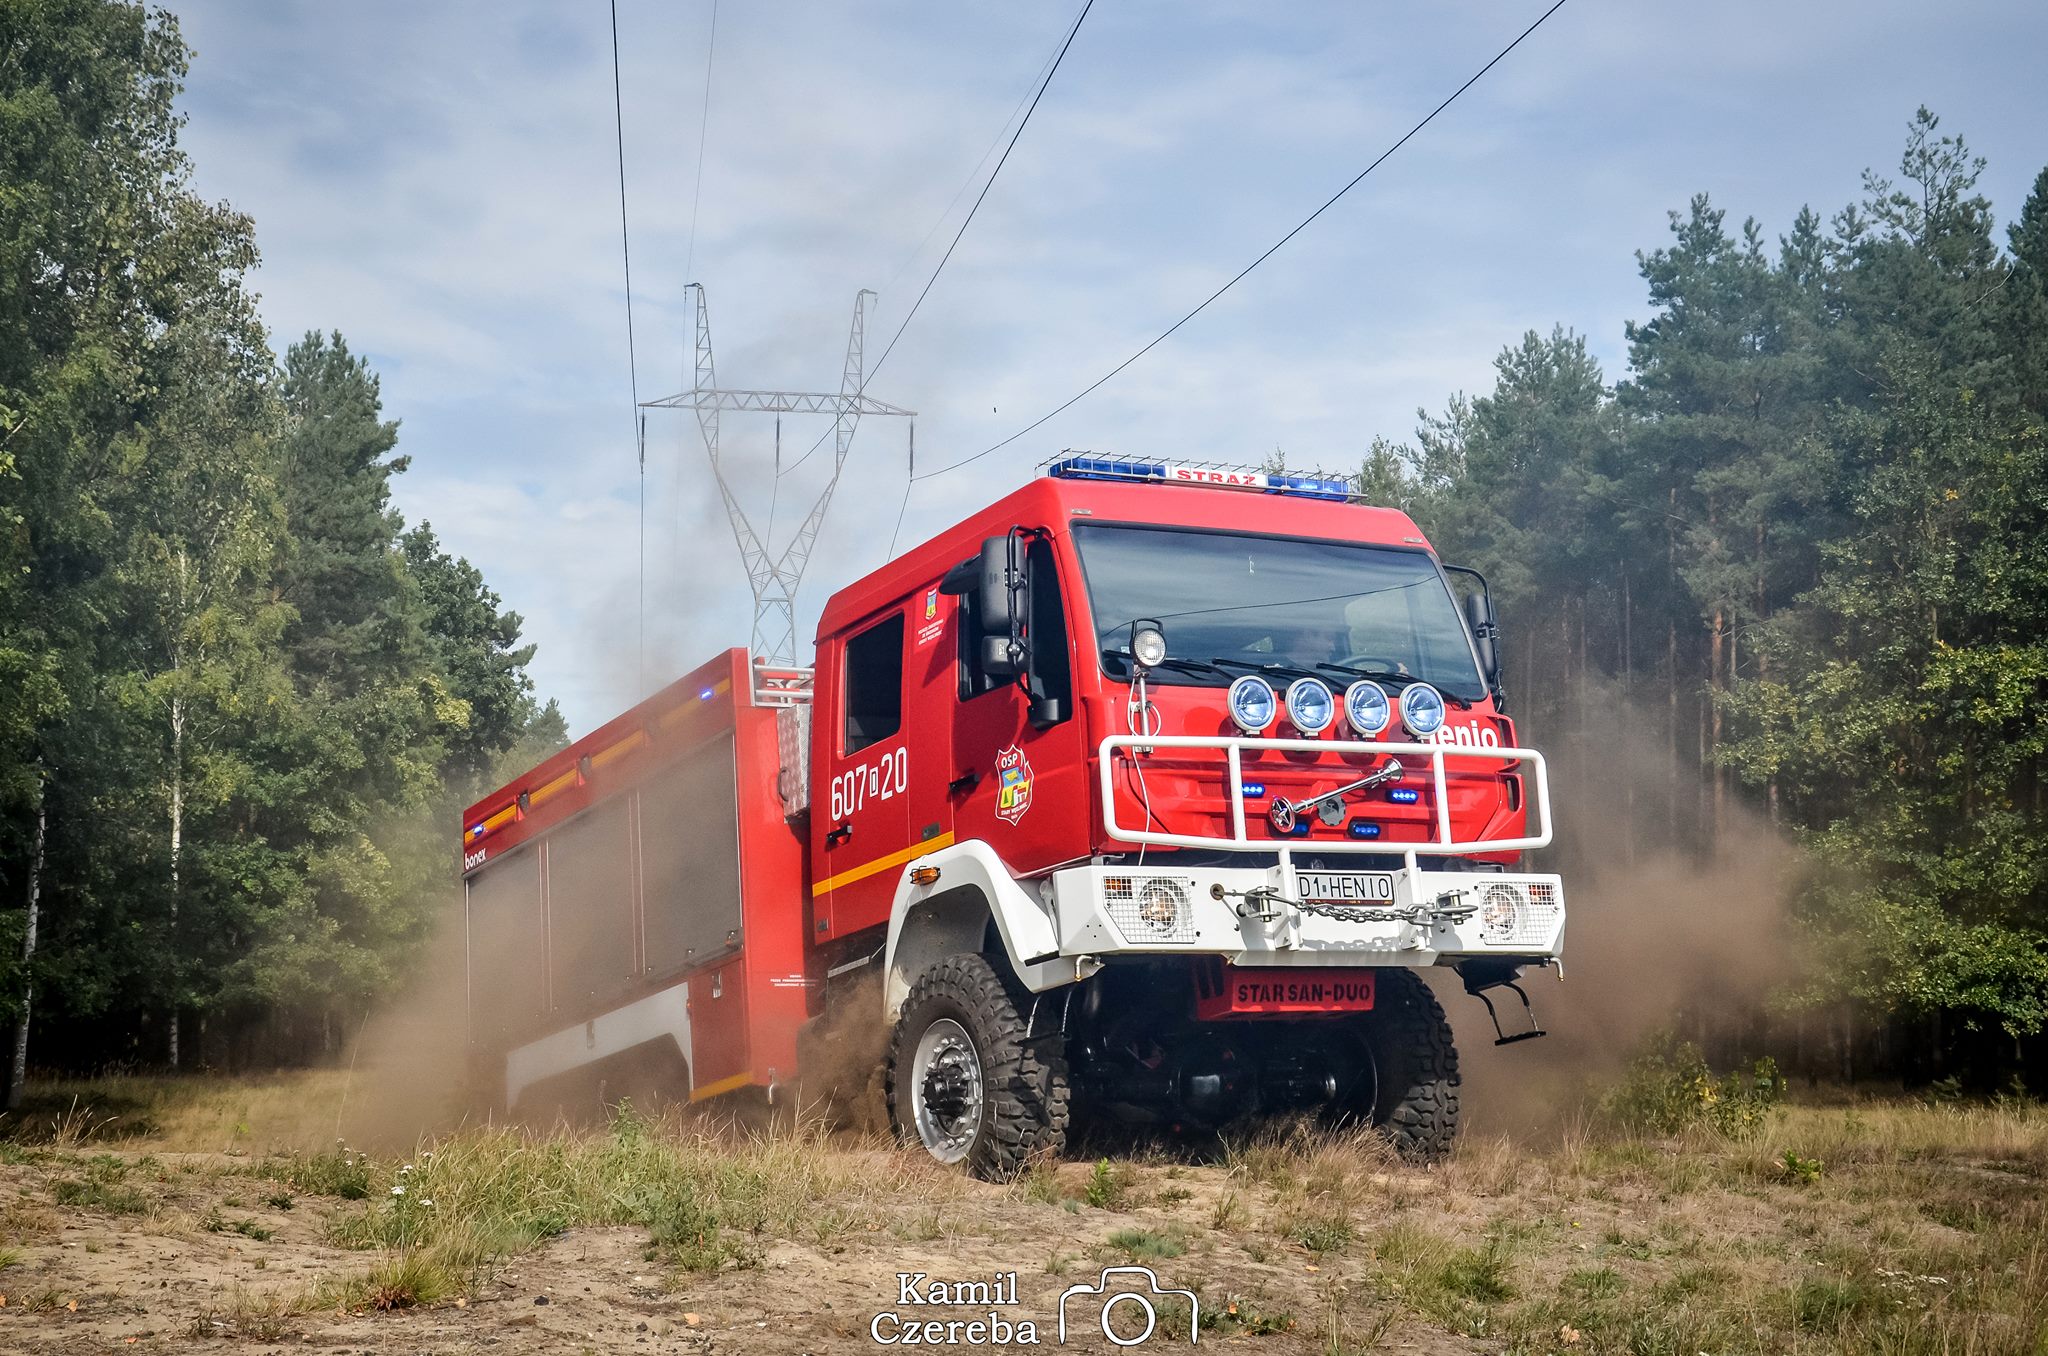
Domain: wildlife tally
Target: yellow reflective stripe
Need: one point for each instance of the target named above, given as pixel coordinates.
(866, 869)
(738, 1080)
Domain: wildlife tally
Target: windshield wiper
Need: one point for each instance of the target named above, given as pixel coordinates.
(1399, 679)
(1262, 669)
(1172, 661)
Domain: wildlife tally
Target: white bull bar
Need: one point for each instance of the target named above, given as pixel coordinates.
(1233, 748)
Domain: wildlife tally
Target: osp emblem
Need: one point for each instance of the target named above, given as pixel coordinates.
(931, 605)
(1013, 784)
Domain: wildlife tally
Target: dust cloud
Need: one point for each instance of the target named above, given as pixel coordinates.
(1659, 930)
(407, 1072)
(1660, 934)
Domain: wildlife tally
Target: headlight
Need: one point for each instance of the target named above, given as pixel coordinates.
(1160, 903)
(1422, 710)
(1150, 909)
(1500, 914)
(1148, 646)
(1366, 708)
(1310, 705)
(1252, 703)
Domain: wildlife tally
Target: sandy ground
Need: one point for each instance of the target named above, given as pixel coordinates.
(1840, 1227)
(163, 1281)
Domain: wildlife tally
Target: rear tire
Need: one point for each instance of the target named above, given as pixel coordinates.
(1415, 1104)
(966, 1081)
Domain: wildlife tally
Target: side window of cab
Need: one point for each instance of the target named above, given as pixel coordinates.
(874, 685)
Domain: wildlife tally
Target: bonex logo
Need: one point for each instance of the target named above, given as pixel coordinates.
(1013, 784)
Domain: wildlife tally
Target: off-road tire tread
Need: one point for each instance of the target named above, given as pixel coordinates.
(1027, 1097)
(1417, 1068)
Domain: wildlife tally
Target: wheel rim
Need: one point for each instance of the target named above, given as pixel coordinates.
(945, 1090)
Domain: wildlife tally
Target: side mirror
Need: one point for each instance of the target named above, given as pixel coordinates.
(1004, 598)
(1485, 635)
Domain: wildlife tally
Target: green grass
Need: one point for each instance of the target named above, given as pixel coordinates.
(87, 1194)
(214, 1222)
(1148, 1245)
(1111, 1186)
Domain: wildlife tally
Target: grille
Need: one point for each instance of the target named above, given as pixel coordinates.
(1129, 897)
(1521, 913)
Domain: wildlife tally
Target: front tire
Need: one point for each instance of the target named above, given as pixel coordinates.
(1415, 1102)
(967, 1081)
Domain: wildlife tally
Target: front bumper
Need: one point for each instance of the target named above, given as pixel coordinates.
(1255, 916)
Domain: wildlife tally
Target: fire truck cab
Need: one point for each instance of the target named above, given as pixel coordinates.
(1155, 784)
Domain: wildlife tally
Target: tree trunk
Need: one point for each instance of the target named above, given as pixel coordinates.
(177, 850)
(1628, 712)
(1671, 666)
(1763, 662)
(1717, 683)
(28, 951)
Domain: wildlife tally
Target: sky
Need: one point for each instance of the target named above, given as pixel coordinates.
(440, 184)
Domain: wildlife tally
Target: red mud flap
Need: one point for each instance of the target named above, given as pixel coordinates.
(1224, 991)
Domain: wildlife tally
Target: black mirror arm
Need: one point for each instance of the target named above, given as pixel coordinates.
(1485, 631)
(961, 579)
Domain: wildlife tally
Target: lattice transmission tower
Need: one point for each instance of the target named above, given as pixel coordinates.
(775, 576)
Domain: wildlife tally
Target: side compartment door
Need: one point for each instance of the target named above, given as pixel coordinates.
(860, 820)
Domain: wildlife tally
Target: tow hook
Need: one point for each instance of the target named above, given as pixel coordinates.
(1447, 910)
(1256, 902)
(1480, 976)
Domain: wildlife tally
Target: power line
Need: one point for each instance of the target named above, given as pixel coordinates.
(973, 175)
(990, 184)
(903, 507)
(703, 127)
(1099, 382)
(632, 354)
(1047, 71)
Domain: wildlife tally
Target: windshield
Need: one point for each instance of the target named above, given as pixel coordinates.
(1231, 604)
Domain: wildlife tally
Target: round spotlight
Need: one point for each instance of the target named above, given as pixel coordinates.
(1422, 710)
(1310, 705)
(1160, 903)
(1366, 708)
(1500, 914)
(1252, 703)
(1148, 647)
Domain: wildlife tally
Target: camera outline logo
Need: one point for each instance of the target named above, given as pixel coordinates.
(1143, 1298)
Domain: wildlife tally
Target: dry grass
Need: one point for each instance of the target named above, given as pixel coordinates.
(1887, 1226)
(187, 1115)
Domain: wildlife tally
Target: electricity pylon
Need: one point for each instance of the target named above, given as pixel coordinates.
(775, 577)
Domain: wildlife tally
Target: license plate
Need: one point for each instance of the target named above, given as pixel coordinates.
(1249, 992)
(1346, 887)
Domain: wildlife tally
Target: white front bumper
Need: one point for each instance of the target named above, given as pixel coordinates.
(1097, 912)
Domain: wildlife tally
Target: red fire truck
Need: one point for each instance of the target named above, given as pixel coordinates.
(1143, 793)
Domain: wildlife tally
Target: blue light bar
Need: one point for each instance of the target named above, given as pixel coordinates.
(1404, 795)
(1080, 467)
(1360, 829)
(1106, 468)
(1253, 790)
